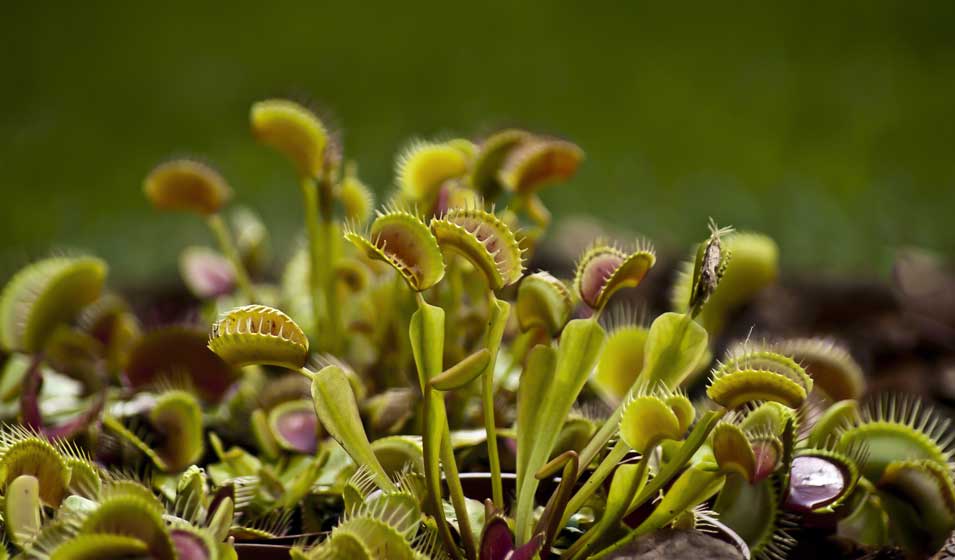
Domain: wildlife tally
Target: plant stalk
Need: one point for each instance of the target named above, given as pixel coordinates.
(224, 239)
(499, 311)
(321, 243)
(616, 508)
(427, 341)
(606, 466)
(315, 268)
(456, 493)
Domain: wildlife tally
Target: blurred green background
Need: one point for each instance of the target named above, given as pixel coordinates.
(829, 125)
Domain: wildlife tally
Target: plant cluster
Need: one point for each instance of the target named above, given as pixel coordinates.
(342, 410)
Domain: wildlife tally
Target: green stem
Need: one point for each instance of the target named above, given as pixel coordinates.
(315, 269)
(499, 311)
(456, 492)
(536, 210)
(695, 485)
(606, 466)
(433, 405)
(615, 510)
(224, 238)
(600, 439)
(330, 243)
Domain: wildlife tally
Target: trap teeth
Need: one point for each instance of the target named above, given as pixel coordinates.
(486, 241)
(44, 295)
(402, 240)
(603, 270)
(257, 334)
(759, 375)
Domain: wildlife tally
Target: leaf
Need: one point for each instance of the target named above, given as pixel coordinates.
(646, 421)
(44, 295)
(426, 331)
(675, 345)
(534, 382)
(259, 335)
(178, 417)
(577, 353)
(543, 302)
(733, 451)
(500, 311)
(463, 372)
(338, 412)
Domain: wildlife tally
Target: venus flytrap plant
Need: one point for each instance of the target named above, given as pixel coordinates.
(673, 348)
(191, 186)
(779, 443)
(705, 477)
(647, 421)
(402, 240)
(602, 271)
(259, 335)
(300, 135)
(44, 295)
(544, 305)
(491, 247)
(423, 168)
(533, 163)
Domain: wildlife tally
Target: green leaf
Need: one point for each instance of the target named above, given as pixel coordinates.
(258, 422)
(534, 382)
(338, 412)
(427, 341)
(427, 345)
(178, 417)
(577, 353)
(674, 348)
(463, 372)
(838, 415)
(500, 311)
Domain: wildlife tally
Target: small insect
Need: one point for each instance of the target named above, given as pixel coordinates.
(710, 265)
